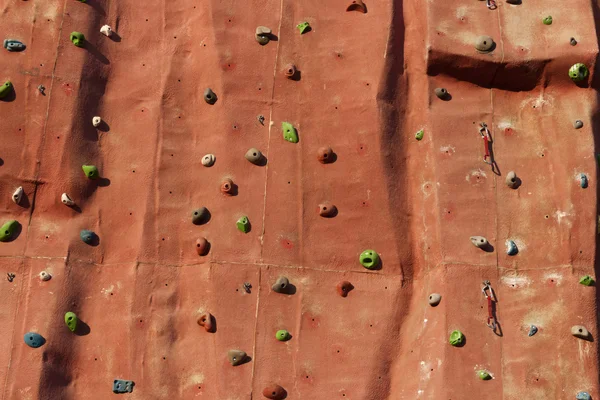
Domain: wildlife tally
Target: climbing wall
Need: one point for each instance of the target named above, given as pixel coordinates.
(439, 251)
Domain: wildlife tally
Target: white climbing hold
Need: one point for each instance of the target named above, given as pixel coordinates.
(479, 241)
(17, 195)
(580, 332)
(66, 200)
(96, 121)
(45, 276)
(208, 160)
(106, 30)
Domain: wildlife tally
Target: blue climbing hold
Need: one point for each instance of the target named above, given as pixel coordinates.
(34, 340)
(87, 236)
(583, 396)
(122, 386)
(533, 330)
(13, 45)
(511, 248)
(584, 180)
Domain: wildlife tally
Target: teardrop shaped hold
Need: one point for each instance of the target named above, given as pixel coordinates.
(34, 340)
(71, 321)
(5, 89)
(484, 375)
(343, 288)
(236, 357)
(17, 195)
(532, 330)
(479, 241)
(91, 171)
(280, 285)
(8, 229)
(511, 248)
(274, 392)
(369, 259)
(77, 38)
(243, 224)
(209, 96)
(282, 335)
(434, 299)
(587, 280)
(206, 320)
(289, 132)
(511, 180)
(66, 200)
(456, 338)
(202, 246)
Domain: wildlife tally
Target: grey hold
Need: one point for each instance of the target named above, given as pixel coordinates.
(583, 181)
(254, 156)
(122, 386)
(442, 93)
(479, 241)
(485, 44)
(583, 396)
(573, 42)
(236, 357)
(532, 330)
(209, 96)
(261, 119)
(434, 299)
(280, 285)
(511, 248)
(200, 216)
(511, 180)
(13, 45)
(262, 35)
(578, 124)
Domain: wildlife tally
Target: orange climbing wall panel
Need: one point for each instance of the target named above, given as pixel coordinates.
(365, 87)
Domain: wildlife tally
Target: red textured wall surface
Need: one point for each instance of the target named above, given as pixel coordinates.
(365, 87)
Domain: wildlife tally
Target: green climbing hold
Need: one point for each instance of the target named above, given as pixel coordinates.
(90, 171)
(578, 72)
(484, 375)
(8, 230)
(243, 224)
(303, 27)
(547, 20)
(282, 335)
(71, 321)
(5, 89)
(456, 338)
(587, 280)
(77, 38)
(289, 132)
(369, 259)
(419, 135)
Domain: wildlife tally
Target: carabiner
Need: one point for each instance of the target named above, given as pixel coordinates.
(485, 135)
(491, 4)
(487, 288)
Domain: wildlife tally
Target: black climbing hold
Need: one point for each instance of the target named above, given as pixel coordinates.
(532, 330)
(209, 96)
(280, 285)
(200, 216)
(122, 386)
(87, 236)
(442, 93)
(236, 357)
(34, 340)
(511, 248)
(578, 124)
(13, 45)
(583, 180)
(573, 42)
(485, 44)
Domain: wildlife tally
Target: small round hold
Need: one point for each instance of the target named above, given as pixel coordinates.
(325, 155)
(208, 160)
(106, 30)
(369, 259)
(200, 215)
(227, 186)
(254, 156)
(96, 121)
(209, 96)
(290, 70)
(457, 338)
(578, 72)
(274, 392)
(236, 357)
(34, 340)
(511, 248)
(434, 299)
(206, 320)
(343, 288)
(45, 276)
(479, 241)
(578, 124)
(484, 44)
(579, 331)
(282, 335)
(66, 200)
(17, 195)
(280, 285)
(573, 42)
(512, 180)
(202, 246)
(547, 20)
(441, 93)
(87, 236)
(327, 210)
(262, 35)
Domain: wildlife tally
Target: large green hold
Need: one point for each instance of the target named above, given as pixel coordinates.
(578, 72)
(484, 375)
(71, 321)
(5, 89)
(369, 259)
(90, 171)
(303, 27)
(243, 224)
(456, 338)
(282, 335)
(289, 132)
(587, 280)
(77, 38)
(8, 230)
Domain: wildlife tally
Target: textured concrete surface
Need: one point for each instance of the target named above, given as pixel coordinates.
(365, 86)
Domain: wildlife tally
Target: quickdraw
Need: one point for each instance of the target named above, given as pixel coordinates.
(491, 4)
(489, 295)
(485, 135)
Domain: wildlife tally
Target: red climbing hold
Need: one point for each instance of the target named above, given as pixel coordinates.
(327, 210)
(357, 5)
(202, 246)
(290, 70)
(227, 186)
(206, 320)
(325, 155)
(274, 392)
(344, 287)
